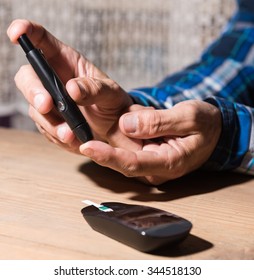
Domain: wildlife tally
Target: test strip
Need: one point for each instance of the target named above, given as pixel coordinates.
(99, 206)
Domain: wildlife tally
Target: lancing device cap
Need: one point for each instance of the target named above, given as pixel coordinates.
(83, 132)
(25, 43)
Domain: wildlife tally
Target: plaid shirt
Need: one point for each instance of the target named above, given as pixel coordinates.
(224, 76)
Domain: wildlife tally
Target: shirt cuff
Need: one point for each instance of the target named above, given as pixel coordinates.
(143, 98)
(233, 143)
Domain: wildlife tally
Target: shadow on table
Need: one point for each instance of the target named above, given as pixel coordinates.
(199, 182)
(191, 245)
(196, 183)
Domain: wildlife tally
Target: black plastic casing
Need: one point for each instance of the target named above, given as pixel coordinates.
(141, 227)
(52, 83)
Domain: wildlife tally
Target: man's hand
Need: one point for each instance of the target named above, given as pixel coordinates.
(101, 100)
(175, 142)
(153, 145)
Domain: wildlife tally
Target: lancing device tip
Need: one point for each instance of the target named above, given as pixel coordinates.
(99, 206)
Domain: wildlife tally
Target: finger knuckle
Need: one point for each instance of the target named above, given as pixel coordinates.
(131, 169)
(113, 85)
(149, 123)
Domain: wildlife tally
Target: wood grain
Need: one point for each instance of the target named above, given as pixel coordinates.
(42, 186)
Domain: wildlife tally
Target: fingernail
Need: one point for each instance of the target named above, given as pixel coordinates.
(38, 100)
(61, 132)
(130, 123)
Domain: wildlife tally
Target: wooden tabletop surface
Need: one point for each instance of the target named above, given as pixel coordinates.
(42, 186)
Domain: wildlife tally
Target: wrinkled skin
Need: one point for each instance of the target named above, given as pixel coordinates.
(153, 145)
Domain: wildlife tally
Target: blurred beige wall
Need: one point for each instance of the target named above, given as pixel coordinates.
(135, 42)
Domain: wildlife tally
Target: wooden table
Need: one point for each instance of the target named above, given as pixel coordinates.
(42, 186)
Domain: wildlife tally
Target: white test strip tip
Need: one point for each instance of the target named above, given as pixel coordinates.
(99, 206)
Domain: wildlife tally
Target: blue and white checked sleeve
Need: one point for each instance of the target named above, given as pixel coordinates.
(224, 77)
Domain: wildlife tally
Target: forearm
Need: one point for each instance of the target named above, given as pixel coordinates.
(224, 76)
(225, 69)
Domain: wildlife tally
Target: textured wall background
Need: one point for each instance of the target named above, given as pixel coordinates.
(135, 42)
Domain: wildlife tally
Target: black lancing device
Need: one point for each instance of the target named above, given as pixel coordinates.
(52, 83)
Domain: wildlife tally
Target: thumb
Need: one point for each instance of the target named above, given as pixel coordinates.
(147, 124)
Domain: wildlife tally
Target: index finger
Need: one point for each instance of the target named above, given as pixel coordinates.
(39, 36)
(132, 163)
